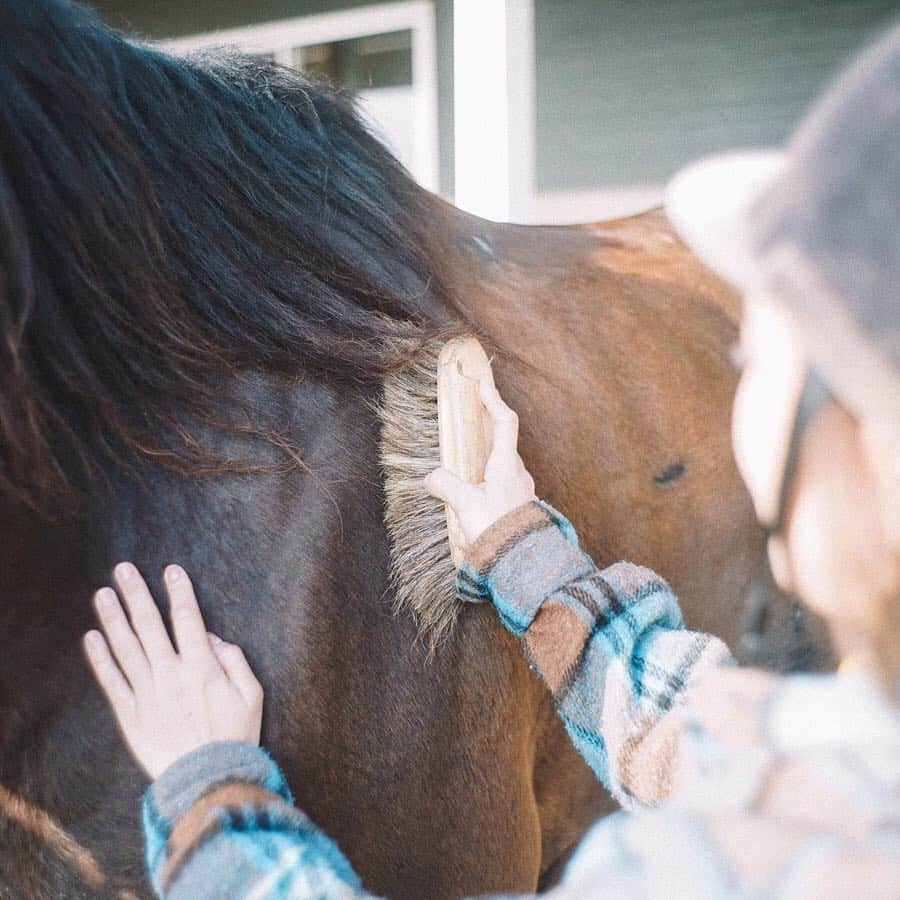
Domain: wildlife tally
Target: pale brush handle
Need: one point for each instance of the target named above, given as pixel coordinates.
(463, 424)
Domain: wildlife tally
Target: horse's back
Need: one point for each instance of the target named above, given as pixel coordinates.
(646, 246)
(613, 345)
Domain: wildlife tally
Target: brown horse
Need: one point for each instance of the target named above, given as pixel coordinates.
(173, 305)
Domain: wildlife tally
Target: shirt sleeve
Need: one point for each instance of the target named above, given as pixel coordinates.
(220, 822)
(610, 645)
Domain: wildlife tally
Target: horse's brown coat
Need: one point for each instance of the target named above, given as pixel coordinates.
(617, 372)
(438, 778)
(207, 268)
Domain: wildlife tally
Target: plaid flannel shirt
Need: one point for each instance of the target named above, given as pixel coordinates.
(775, 787)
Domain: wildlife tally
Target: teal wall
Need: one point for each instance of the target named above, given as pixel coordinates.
(177, 18)
(630, 90)
(627, 91)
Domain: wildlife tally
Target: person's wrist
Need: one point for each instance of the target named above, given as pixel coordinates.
(182, 782)
(472, 582)
(494, 530)
(498, 567)
(482, 520)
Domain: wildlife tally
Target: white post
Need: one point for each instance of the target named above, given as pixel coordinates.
(493, 101)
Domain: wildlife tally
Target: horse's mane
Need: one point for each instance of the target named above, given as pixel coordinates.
(165, 222)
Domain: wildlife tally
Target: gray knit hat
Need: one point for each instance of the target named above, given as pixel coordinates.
(817, 227)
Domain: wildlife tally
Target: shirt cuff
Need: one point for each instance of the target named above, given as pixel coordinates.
(520, 560)
(253, 773)
(191, 776)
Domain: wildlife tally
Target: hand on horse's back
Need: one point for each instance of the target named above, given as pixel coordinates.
(167, 703)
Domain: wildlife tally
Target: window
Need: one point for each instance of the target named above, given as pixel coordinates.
(366, 63)
(385, 54)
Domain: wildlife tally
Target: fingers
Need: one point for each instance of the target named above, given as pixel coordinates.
(444, 485)
(235, 664)
(187, 621)
(144, 614)
(122, 640)
(110, 678)
(506, 422)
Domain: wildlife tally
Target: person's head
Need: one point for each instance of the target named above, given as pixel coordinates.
(811, 236)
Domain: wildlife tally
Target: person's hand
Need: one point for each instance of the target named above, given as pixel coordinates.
(169, 703)
(506, 484)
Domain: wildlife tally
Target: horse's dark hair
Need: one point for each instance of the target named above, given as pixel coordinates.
(164, 221)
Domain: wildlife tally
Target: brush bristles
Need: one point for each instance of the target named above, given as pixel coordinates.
(423, 577)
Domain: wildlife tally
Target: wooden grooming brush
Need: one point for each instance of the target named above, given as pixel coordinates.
(463, 425)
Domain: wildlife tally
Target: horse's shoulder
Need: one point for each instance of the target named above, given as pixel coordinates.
(646, 246)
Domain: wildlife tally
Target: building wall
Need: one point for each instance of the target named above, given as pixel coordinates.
(627, 91)
(178, 18)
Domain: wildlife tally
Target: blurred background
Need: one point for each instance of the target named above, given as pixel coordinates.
(544, 110)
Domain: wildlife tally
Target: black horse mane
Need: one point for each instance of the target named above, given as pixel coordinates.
(164, 221)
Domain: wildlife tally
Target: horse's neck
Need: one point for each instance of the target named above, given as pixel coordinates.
(248, 539)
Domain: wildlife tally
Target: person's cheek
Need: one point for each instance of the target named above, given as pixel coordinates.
(739, 431)
(761, 424)
(751, 438)
(838, 544)
(751, 424)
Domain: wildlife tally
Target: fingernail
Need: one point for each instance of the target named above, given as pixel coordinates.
(93, 640)
(173, 573)
(124, 571)
(215, 639)
(106, 599)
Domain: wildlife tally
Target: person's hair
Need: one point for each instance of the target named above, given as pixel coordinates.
(167, 222)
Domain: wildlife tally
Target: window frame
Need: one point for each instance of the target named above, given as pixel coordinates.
(280, 37)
